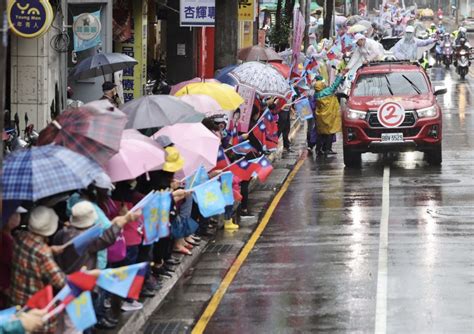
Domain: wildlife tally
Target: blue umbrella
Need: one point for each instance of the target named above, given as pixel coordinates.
(44, 171)
(224, 77)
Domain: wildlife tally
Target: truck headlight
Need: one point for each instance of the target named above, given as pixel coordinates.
(356, 114)
(427, 112)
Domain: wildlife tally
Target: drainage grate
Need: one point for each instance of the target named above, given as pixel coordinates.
(169, 327)
(218, 248)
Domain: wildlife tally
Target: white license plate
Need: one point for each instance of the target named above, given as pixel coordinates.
(392, 137)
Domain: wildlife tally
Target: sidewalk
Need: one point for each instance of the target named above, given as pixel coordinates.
(211, 260)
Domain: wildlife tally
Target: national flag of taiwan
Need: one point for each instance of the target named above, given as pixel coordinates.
(259, 131)
(222, 160)
(125, 282)
(243, 148)
(41, 298)
(272, 142)
(242, 169)
(234, 137)
(270, 121)
(263, 168)
(311, 64)
(83, 240)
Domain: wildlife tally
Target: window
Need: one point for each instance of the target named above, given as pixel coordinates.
(387, 84)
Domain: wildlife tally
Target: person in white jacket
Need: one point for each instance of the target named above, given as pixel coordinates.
(367, 50)
(407, 47)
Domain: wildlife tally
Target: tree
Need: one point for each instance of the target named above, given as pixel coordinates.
(328, 13)
(280, 34)
(226, 31)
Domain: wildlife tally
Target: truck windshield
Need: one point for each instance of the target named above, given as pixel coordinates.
(395, 83)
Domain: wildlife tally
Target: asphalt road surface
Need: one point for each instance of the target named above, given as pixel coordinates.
(321, 264)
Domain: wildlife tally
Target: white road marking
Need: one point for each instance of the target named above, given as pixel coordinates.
(381, 304)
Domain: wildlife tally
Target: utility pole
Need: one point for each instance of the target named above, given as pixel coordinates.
(226, 33)
(3, 64)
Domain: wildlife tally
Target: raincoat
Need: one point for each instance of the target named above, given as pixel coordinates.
(328, 117)
(372, 50)
(408, 49)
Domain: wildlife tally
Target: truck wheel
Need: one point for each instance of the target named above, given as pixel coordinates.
(434, 156)
(352, 159)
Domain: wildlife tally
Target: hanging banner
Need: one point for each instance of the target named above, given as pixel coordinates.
(29, 18)
(246, 10)
(86, 29)
(248, 94)
(298, 31)
(197, 13)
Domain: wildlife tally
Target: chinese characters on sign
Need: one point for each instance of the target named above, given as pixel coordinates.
(199, 13)
(248, 94)
(246, 10)
(86, 30)
(29, 18)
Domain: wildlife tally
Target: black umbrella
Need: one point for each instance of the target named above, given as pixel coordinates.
(102, 64)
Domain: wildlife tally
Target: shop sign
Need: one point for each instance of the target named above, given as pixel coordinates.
(246, 10)
(29, 18)
(197, 13)
(86, 28)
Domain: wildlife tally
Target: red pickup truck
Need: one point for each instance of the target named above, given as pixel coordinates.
(391, 107)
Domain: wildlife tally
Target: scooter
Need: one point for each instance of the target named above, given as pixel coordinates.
(462, 62)
(447, 53)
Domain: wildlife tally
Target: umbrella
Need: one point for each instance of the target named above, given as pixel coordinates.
(258, 53)
(287, 55)
(138, 155)
(353, 20)
(180, 85)
(156, 111)
(223, 75)
(203, 103)
(283, 69)
(224, 94)
(102, 64)
(43, 171)
(93, 130)
(197, 145)
(266, 80)
(357, 28)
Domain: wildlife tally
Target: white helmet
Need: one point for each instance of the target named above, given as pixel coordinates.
(462, 30)
(410, 29)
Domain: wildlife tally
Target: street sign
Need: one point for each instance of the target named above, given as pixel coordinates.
(197, 13)
(391, 114)
(29, 18)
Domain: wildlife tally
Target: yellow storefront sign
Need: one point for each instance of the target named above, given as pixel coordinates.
(246, 10)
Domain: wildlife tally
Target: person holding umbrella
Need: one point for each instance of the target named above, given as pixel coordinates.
(110, 93)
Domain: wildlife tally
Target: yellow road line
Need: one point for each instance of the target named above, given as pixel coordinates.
(234, 269)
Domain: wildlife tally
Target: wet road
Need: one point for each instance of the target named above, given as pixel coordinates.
(318, 266)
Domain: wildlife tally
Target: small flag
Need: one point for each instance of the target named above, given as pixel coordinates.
(7, 315)
(270, 121)
(164, 199)
(151, 213)
(120, 280)
(137, 283)
(199, 177)
(83, 240)
(222, 160)
(272, 142)
(259, 132)
(41, 298)
(226, 187)
(263, 168)
(82, 281)
(243, 148)
(81, 311)
(234, 137)
(303, 109)
(209, 198)
(242, 169)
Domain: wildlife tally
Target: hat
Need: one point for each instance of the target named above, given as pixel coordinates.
(106, 86)
(319, 85)
(164, 141)
(174, 161)
(410, 29)
(83, 215)
(43, 221)
(358, 37)
(103, 181)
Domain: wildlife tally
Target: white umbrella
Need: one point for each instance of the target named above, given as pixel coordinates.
(266, 80)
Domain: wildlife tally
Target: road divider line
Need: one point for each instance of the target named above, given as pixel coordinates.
(381, 301)
(234, 269)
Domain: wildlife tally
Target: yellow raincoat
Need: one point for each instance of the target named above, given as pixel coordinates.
(328, 115)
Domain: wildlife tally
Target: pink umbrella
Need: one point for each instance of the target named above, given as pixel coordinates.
(180, 85)
(195, 143)
(203, 103)
(138, 154)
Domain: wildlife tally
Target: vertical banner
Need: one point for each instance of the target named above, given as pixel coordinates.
(298, 31)
(248, 94)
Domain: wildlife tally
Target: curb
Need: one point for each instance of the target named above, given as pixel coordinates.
(138, 319)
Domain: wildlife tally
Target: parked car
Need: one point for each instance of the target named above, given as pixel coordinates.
(391, 107)
(468, 23)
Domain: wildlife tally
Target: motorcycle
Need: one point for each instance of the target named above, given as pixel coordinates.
(462, 62)
(447, 53)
